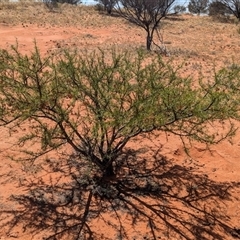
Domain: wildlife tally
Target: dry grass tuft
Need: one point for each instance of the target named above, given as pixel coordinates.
(31, 12)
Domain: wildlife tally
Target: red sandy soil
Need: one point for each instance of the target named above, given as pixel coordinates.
(201, 43)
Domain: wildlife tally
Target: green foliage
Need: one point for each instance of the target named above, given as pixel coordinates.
(96, 102)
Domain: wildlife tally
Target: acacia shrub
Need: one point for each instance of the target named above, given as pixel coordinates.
(198, 6)
(217, 8)
(51, 4)
(97, 104)
(219, 11)
(107, 5)
(233, 6)
(179, 9)
(146, 14)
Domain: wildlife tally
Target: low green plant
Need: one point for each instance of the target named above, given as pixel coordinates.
(97, 104)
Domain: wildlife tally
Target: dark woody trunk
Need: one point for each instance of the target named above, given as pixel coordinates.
(149, 42)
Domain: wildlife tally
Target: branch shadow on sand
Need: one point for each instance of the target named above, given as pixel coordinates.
(150, 198)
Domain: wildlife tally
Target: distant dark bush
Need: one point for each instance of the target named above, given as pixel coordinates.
(233, 6)
(179, 9)
(106, 5)
(217, 8)
(51, 4)
(99, 7)
(73, 2)
(198, 6)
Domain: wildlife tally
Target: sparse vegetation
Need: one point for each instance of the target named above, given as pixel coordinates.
(145, 14)
(108, 5)
(179, 9)
(217, 8)
(70, 102)
(97, 104)
(102, 132)
(198, 6)
(233, 6)
(51, 4)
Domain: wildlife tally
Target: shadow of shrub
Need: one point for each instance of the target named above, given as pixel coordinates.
(68, 198)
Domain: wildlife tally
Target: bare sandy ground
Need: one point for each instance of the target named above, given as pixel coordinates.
(199, 42)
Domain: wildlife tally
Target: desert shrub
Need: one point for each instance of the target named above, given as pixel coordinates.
(198, 6)
(75, 93)
(73, 2)
(96, 103)
(179, 9)
(99, 7)
(107, 5)
(217, 8)
(51, 4)
(233, 6)
(219, 12)
(147, 15)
